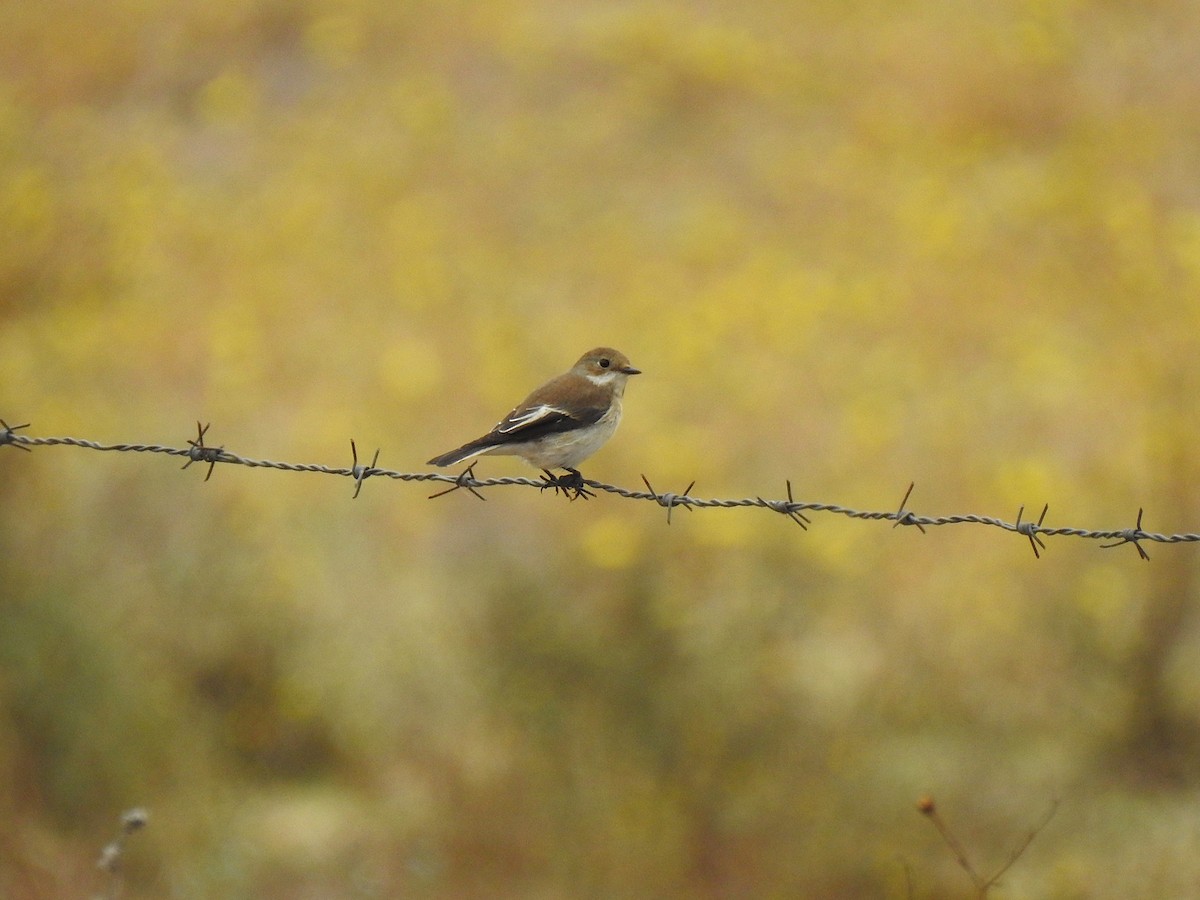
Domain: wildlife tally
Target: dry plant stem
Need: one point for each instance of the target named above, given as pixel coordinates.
(1020, 849)
(928, 808)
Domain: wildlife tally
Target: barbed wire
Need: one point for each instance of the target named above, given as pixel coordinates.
(576, 487)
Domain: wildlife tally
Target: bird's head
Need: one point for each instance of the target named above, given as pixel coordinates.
(605, 365)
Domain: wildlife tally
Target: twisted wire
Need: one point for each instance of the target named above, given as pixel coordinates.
(197, 451)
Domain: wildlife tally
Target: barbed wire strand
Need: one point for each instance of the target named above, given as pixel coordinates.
(197, 451)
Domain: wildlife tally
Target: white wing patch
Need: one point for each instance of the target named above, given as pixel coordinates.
(524, 418)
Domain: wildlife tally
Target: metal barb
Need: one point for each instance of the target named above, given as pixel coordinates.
(1029, 529)
(8, 435)
(798, 517)
(201, 453)
(1133, 536)
(670, 499)
(655, 495)
(466, 479)
(361, 473)
(789, 508)
(906, 518)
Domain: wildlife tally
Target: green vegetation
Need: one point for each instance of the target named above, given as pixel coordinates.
(852, 244)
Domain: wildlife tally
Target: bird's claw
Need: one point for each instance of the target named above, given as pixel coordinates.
(571, 484)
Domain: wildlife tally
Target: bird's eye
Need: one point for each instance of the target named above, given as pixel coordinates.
(605, 363)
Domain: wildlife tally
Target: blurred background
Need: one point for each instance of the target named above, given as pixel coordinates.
(851, 244)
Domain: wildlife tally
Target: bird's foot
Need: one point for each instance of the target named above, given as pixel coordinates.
(570, 484)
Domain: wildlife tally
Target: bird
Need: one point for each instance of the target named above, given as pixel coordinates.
(561, 423)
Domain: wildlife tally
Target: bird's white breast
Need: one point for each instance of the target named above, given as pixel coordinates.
(568, 449)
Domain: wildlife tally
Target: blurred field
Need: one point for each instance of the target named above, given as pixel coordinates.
(851, 244)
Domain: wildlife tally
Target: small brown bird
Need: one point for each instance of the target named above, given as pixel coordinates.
(563, 422)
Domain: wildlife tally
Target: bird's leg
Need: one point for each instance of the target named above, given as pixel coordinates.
(570, 484)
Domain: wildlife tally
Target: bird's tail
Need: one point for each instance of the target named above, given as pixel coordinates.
(454, 457)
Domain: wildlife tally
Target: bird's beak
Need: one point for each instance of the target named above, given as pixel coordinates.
(630, 370)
